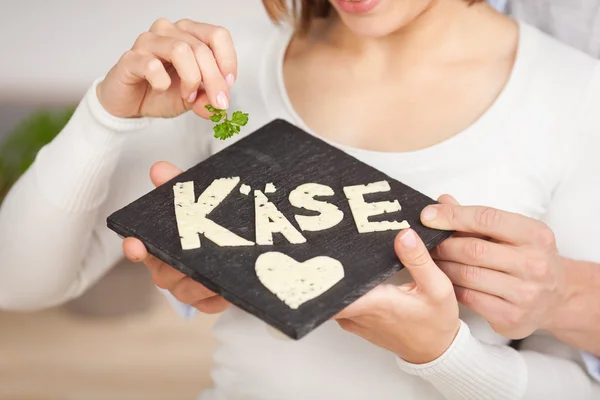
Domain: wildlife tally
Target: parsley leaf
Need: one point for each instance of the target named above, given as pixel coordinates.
(239, 118)
(216, 117)
(228, 127)
(223, 131)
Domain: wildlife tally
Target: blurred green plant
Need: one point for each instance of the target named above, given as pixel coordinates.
(18, 150)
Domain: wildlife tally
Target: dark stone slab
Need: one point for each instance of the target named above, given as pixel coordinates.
(288, 157)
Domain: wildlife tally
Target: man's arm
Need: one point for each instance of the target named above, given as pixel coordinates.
(577, 319)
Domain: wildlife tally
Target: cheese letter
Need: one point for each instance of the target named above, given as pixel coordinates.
(303, 197)
(361, 210)
(270, 220)
(191, 214)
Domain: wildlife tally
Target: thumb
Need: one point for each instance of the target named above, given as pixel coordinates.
(162, 172)
(414, 255)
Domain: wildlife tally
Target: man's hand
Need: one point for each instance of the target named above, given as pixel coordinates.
(504, 266)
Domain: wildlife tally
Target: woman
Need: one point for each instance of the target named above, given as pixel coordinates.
(446, 96)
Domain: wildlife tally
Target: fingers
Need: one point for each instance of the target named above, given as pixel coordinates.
(214, 52)
(491, 308)
(203, 56)
(447, 199)
(162, 172)
(212, 305)
(163, 275)
(183, 288)
(134, 250)
(164, 28)
(179, 54)
(351, 326)
(481, 253)
(220, 42)
(138, 67)
(481, 280)
(189, 291)
(195, 63)
(415, 257)
(501, 225)
(199, 106)
(214, 83)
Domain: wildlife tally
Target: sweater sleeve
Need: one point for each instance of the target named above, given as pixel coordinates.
(573, 213)
(472, 370)
(53, 236)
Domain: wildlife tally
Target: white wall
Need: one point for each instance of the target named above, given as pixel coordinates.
(51, 50)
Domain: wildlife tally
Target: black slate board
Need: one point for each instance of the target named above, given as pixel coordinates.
(288, 157)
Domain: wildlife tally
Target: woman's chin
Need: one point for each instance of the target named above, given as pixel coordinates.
(368, 29)
(389, 18)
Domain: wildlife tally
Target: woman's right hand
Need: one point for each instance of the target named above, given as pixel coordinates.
(182, 287)
(171, 69)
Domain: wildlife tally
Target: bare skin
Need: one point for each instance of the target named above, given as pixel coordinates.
(517, 281)
(434, 75)
(171, 69)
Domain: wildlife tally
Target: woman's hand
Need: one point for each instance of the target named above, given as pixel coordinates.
(172, 68)
(417, 321)
(504, 266)
(184, 289)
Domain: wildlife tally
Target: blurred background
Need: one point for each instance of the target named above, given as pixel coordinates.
(121, 340)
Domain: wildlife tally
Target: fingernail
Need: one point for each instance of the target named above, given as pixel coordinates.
(222, 101)
(429, 213)
(408, 239)
(192, 97)
(230, 79)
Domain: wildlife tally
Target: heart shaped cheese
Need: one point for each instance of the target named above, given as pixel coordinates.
(295, 283)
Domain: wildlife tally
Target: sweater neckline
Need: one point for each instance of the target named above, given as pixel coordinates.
(493, 120)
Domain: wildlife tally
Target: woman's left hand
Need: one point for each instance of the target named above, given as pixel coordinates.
(417, 321)
(504, 266)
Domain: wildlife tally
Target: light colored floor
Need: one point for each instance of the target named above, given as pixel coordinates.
(58, 355)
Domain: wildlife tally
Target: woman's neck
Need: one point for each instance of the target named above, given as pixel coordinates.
(437, 75)
(442, 32)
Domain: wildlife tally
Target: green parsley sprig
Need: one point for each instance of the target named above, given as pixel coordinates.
(227, 127)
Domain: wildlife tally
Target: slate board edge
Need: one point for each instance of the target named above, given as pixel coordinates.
(152, 249)
(333, 148)
(444, 234)
(295, 334)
